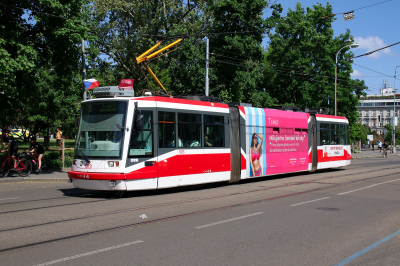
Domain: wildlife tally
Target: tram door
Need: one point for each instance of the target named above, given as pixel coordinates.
(167, 149)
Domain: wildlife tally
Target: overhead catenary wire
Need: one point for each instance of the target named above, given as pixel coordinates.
(332, 15)
(368, 53)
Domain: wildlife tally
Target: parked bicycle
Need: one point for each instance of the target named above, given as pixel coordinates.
(24, 166)
(47, 165)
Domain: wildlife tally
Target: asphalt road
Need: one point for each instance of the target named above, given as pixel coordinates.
(347, 216)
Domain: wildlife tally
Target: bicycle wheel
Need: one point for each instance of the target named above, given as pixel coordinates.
(4, 169)
(24, 167)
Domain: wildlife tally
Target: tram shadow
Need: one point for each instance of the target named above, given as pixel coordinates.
(84, 193)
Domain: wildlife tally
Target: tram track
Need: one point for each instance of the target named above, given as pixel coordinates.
(180, 215)
(328, 186)
(319, 181)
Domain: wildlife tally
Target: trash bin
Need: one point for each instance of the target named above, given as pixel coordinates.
(46, 142)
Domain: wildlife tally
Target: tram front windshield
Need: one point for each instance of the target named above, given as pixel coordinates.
(99, 136)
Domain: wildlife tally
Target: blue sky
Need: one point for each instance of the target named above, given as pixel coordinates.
(373, 27)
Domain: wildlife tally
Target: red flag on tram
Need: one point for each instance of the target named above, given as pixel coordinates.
(126, 84)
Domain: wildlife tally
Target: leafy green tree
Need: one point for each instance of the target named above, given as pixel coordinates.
(126, 29)
(300, 63)
(235, 40)
(40, 59)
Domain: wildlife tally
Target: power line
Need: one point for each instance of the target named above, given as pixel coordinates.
(332, 15)
(368, 53)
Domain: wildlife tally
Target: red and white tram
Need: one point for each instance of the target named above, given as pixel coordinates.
(153, 142)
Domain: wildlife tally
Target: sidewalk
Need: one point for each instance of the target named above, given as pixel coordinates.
(57, 176)
(370, 154)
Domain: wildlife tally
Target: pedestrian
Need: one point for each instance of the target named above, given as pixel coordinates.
(385, 150)
(373, 146)
(379, 146)
(59, 136)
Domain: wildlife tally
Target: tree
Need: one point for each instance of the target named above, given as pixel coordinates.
(235, 38)
(126, 29)
(40, 59)
(300, 63)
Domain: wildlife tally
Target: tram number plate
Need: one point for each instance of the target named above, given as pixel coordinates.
(83, 176)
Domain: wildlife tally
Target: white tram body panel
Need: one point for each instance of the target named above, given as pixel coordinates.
(185, 142)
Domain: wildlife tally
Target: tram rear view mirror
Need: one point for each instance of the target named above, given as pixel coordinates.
(138, 120)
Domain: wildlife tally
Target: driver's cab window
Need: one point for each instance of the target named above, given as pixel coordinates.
(141, 143)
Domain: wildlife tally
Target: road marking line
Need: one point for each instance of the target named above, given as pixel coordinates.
(10, 198)
(89, 253)
(368, 187)
(365, 250)
(229, 220)
(309, 201)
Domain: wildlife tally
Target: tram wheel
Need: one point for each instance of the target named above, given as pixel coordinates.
(119, 193)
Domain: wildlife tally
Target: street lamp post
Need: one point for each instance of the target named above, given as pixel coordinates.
(337, 54)
(394, 111)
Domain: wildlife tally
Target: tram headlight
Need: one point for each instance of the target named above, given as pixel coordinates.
(113, 164)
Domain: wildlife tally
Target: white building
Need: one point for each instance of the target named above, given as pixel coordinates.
(376, 110)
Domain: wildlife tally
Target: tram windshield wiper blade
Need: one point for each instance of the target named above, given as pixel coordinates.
(85, 157)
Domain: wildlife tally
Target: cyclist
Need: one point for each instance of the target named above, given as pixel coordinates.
(38, 154)
(12, 147)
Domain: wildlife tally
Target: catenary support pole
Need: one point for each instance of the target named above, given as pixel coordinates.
(207, 59)
(83, 69)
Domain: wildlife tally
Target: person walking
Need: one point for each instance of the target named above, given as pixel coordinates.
(385, 150)
(379, 146)
(59, 136)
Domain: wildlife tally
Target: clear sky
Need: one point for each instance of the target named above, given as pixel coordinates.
(373, 27)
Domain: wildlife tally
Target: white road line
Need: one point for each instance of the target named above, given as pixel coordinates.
(229, 220)
(10, 198)
(368, 187)
(89, 253)
(309, 201)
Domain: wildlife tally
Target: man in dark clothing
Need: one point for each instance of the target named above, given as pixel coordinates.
(37, 152)
(385, 149)
(12, 147)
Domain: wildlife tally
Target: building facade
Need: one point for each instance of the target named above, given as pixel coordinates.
(377, 110)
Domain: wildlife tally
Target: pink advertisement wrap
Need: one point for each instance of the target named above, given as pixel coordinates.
(276, 141)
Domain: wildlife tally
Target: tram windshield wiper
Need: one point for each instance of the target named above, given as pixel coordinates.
(85, 157)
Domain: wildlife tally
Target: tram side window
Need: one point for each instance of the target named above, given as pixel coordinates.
(342, 129)
(166, 129)
(214, 135)
(189, 130)
(141, 143)
(324, 135)
(347, 135)
(334, 134)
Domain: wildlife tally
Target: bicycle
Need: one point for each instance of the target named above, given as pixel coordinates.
(24, 167)
(47, 165)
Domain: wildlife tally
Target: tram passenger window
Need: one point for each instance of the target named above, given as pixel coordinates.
(275, 130)
(347, 135)
(189, 130)
(141, 143)
(342, 129)
(289, 131)
(283, 130)
(214, 135)
(324, 135)
(297, 131)
(166, 129)
(334, 134)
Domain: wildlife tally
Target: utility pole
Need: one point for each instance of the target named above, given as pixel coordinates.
(207, 52)
(83, 69)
